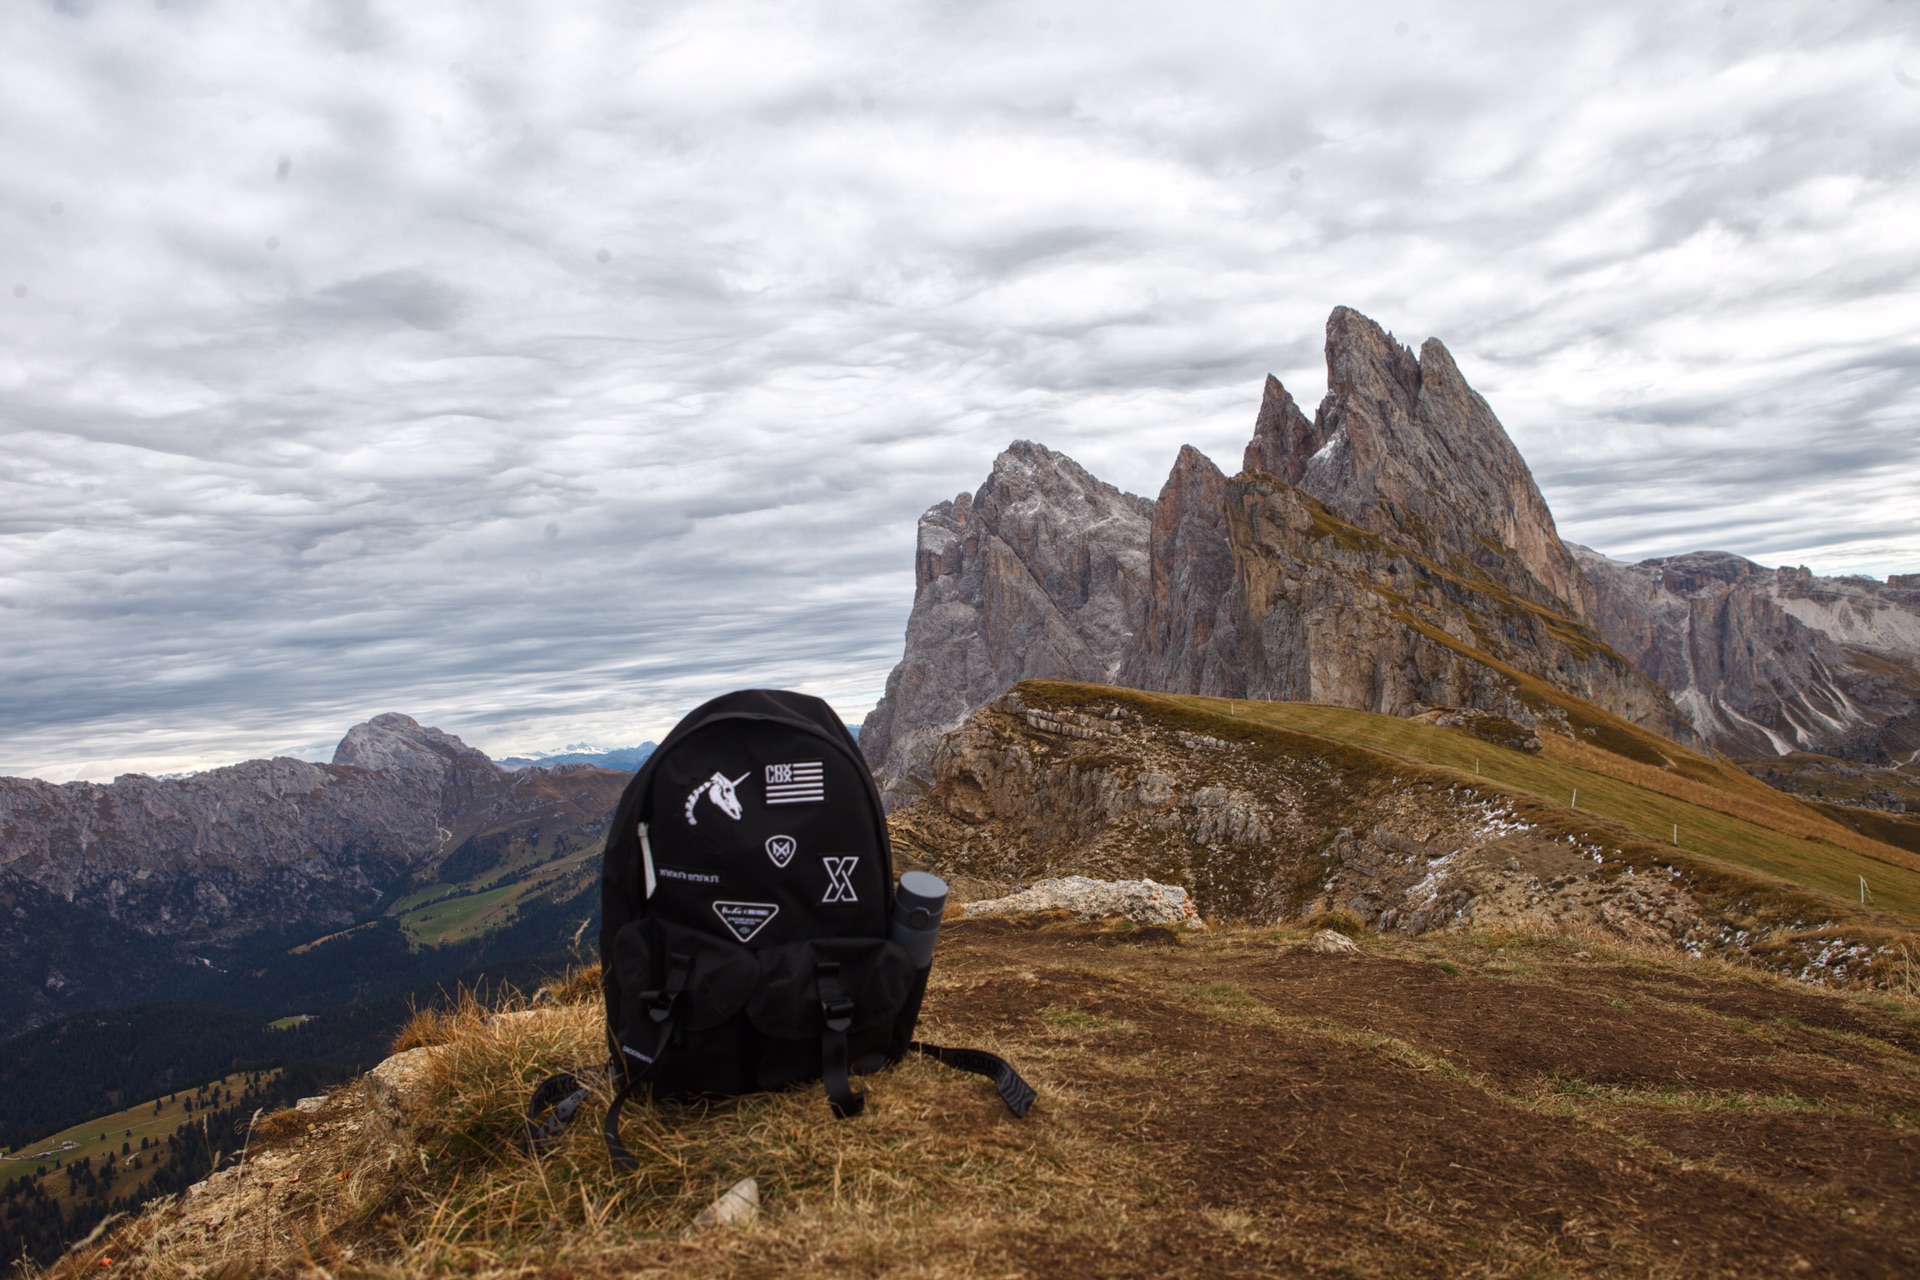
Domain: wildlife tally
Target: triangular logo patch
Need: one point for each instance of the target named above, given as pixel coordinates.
(744, 919)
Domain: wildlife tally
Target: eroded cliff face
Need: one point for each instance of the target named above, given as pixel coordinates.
(1190, 639)
(1403, 447)
(1334, 613)
(1041, 573)
(1768, 662)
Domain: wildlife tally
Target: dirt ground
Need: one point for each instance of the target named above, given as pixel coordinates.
(1450, 1109)
(1220, 1103)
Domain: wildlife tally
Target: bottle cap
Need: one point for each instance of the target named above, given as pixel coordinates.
(921, 893)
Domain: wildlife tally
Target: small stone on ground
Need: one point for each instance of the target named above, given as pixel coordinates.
(1331, 943)
(739, 1206)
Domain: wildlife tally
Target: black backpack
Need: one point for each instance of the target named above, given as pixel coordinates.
(747, 913)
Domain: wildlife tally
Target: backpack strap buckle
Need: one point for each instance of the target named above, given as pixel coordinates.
(837, 1010)
(679, 972)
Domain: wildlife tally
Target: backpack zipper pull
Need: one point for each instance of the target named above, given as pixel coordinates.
(646, 858)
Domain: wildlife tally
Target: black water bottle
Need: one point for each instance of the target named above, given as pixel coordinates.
(917, 906)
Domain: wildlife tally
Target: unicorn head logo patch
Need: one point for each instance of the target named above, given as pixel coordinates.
(719, 789)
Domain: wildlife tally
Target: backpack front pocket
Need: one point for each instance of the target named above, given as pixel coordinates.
(809, 987)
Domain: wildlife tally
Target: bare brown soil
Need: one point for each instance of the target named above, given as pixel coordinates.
(1228, 1103)
(1452, 1110)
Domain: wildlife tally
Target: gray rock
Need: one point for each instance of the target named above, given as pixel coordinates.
(1141, 901)
(738, 1206)
(1764, 661)
(1190, 641)
(1040, 574)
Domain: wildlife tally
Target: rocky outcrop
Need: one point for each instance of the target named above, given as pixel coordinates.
(1267, 826)
(1050, 782)
(1392, 553)
(1041, 573)
(1767, 662)
(1190, 640)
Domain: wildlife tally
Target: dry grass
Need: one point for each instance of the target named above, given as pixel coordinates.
(430, 1179)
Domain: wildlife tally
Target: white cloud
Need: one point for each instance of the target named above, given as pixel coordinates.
(542, 370)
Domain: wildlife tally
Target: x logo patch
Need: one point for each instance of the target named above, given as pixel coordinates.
(840, 878)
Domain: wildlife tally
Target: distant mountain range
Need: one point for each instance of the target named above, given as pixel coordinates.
(281, 885)
(626, 759)
(1391, 554)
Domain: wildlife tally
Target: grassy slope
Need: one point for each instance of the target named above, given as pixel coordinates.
(98, 1136)
(441, 912)
(1722, 814)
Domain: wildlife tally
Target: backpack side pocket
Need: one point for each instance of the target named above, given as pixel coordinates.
(681, 994)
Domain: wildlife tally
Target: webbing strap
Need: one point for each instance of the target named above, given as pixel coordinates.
(837, 1012)
(616, 1149)
(1015, 1092)
(559, 1097)
(660, 1010)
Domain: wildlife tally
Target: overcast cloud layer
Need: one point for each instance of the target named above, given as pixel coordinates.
(541, 370)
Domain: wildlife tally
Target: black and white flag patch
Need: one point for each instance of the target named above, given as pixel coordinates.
(744, 919)
(781, 849)
(800, 782)
(840, 878)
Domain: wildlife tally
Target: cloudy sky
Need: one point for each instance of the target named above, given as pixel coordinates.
(541, 369)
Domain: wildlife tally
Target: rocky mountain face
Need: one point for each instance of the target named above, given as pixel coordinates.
(1767, 662)
(1041, 573)
(165, 877)
(1404, 448)
(208, 857)
(1391, 554)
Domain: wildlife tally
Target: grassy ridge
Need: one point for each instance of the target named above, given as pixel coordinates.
(1721, 813)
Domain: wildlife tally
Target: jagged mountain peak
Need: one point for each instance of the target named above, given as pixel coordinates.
(1391, 553)
(1041, 571)
(1283, 437)
(393, 740)
(1025, 470)
(1403, 447)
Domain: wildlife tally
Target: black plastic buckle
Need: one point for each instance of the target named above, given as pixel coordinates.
(679, 970)
(834, 1004)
